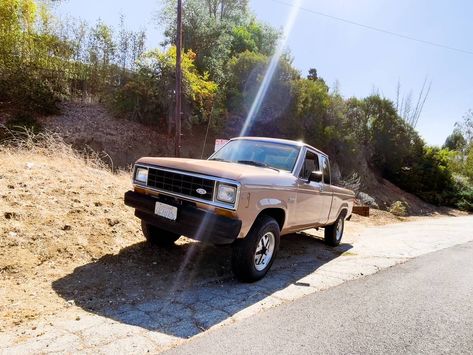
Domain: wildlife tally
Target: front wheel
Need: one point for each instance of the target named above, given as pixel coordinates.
(253, 256)
(334, 232)
(158, 236)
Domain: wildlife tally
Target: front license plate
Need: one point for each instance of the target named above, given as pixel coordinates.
(166, 211)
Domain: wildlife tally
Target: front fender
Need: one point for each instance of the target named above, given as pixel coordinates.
(265, 203)
(253, 203)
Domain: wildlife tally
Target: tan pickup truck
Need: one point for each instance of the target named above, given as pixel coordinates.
(248, 194)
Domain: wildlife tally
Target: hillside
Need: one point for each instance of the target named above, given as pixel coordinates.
(57, 211)
(122, 141)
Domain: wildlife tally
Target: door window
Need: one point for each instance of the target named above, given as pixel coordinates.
(311, 163)
(326, 170)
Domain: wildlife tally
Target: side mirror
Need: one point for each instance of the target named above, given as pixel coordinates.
(316, 176)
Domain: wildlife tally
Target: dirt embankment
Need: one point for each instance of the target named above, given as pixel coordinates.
(57, 211)
(122, 141)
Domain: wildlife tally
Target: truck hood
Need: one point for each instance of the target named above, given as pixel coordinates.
(233, 171)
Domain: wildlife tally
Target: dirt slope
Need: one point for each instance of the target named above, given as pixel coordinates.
(385, 193)
(122, 140)
(57, 211)
(83, 124)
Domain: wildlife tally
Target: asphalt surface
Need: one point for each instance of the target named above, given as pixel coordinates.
(424, 306)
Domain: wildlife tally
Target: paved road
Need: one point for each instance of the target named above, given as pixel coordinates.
(422, 306)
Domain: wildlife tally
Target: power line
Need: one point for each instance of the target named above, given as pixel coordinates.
(377, 29)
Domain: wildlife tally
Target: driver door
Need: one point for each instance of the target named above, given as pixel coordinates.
(309, 194)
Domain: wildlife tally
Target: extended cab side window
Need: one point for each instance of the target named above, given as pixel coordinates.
(326, 170)
(311, 163)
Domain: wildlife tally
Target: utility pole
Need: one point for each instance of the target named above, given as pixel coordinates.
(177, 148)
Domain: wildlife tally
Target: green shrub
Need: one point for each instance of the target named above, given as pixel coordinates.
(22, 121)
(31, 90)
(17, 125)
(462, 196)
(465, 200)
(427, 175)
(147, 95)
(399, 208)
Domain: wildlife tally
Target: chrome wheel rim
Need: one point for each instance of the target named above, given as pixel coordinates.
(339, 229)
(264, 251)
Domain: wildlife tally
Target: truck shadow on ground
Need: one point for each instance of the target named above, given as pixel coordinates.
(184, 290)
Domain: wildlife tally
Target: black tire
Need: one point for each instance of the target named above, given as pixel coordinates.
(157, 236)
(244, 250)
(333, 236)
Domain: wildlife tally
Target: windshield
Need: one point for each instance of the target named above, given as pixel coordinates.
(278, 156)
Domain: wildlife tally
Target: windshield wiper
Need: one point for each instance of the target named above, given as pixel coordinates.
(218, 159)
(256, 163)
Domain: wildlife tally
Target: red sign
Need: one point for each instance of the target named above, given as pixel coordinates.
(219, 143)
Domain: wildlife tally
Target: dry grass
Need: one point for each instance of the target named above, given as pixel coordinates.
(49, 144)
(58, 209)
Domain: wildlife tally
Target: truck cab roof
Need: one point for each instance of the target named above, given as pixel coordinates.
(283, 141)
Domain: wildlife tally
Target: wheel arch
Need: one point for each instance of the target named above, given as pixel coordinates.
(342, 210)
(278, 214)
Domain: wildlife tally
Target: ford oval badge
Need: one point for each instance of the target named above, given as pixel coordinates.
(201, 191)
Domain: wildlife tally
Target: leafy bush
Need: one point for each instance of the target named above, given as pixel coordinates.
(32, 91)
(32, 59)
(24, 121)
(465, 199)
(462, 194)
(399, 208)
(19, 125)
(427, 175)
(148, 94)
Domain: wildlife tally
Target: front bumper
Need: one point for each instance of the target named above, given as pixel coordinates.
(191, 221)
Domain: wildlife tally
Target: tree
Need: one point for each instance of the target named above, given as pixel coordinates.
(455, 141)
(32, 57)
(226, 9)
(314, 77)
(245, 74)
(149, 93)
(405, 106)
(216, 30)
(312, 74)
(307, 118)
(253, 37)
(466, 127)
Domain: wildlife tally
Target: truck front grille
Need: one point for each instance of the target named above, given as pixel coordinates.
(181, 184)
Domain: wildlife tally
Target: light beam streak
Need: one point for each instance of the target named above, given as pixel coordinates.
(255, 106)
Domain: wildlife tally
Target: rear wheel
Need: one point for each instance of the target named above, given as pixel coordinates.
(334, 232)
(157, 236)
(253, 256)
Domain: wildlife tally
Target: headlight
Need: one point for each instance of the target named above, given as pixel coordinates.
(141, 175)
(226, 193)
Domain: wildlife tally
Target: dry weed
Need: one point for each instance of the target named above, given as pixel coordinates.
(59, 209)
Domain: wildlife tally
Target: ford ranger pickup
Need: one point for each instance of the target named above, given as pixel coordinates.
(248, 193)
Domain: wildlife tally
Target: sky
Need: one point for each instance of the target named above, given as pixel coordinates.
(359, 60)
